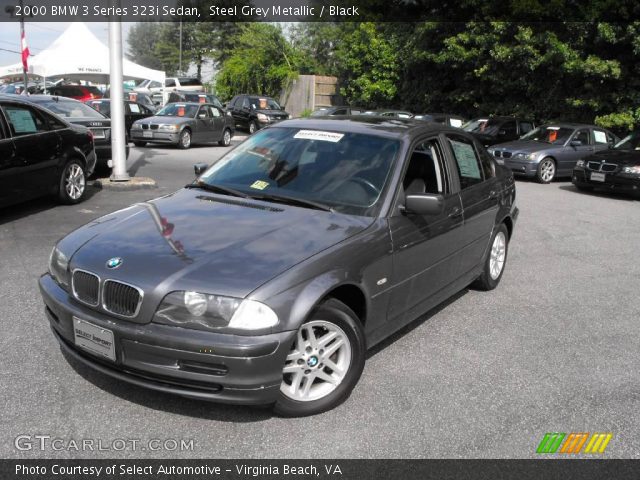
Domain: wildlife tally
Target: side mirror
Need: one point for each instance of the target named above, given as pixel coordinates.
(199, 168)
(424, 204)
(575, 143)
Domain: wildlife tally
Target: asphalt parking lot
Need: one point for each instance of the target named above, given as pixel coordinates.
(486, 375)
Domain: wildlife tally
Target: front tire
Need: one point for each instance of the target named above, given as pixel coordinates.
(184, 141)
(226, 138)
(72, 184)
(325, 362)
(252, 127)
(546, 170)
(496, 260)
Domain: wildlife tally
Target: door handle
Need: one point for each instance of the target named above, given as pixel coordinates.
(455, 212)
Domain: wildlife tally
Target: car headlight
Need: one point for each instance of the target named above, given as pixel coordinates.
(635, 170)
(59, 267)
(580, 163)
(202, 311)
(169, 128)
(262, 117)
(136, 126)
(229, 113)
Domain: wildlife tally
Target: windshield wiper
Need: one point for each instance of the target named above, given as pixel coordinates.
(217, 189)
(270, 197)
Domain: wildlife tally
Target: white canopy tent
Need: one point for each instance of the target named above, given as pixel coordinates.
(78, 54)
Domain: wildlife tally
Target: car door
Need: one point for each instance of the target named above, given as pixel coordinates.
(38, 147)
(218, 123)
(479, 195)
(7, 163)
(204, 121)
(572, 153)
(424, 246)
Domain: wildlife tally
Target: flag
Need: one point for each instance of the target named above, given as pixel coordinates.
(25, 52)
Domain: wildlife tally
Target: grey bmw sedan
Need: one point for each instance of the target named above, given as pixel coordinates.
(266, 279)
(184, 124)
(552, 150)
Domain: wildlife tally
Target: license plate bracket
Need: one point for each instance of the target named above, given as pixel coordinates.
(597, 177)
(147, 134)
(94, 339)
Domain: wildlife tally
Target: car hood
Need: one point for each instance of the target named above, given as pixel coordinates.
(620, 157)
(525, 146)
(196, 240)
(166, 120)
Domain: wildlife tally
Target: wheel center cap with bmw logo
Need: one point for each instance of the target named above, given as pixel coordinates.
(114, 262)
(312, 361)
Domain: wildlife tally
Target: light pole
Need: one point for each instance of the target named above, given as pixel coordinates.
(118, 137)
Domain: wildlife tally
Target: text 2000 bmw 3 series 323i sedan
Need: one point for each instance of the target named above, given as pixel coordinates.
(266, 280)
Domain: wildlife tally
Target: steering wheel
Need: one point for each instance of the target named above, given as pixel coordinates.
(370, 187)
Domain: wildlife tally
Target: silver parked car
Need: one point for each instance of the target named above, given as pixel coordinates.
(552, 150)
(184, 124)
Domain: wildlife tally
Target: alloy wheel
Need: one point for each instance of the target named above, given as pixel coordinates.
(226, 138)
(547, 170)
(318, 362)
(185, 139)
(74, 181)
(498, 255)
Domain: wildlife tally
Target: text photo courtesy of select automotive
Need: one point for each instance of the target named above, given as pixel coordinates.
(257, 239)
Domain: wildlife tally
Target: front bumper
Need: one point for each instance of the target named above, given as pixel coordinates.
(617, 181)
(520, 167)
(191, 363)
(156, 136)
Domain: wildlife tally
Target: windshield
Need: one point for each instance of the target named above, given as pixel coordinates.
(549, 134)
(630, 142)
(71, 109)
(344, 171)
(178, 110)
(264, 103)
(485, 126)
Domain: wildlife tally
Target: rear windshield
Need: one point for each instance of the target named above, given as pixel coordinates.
(189, 82)
(70, 109)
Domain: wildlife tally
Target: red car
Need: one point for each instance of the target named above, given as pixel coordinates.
(77, 92)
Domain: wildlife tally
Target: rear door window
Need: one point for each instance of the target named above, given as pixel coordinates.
(525, 127)
(467, 161)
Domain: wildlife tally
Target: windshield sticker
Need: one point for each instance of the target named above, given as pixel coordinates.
(455, 122)
(317, 135)
(553, 128)
(259, 185)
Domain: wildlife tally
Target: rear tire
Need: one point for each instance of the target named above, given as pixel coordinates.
(226, 138)
(496, 260)
(72, 183)
(325, 361)
(140, 144)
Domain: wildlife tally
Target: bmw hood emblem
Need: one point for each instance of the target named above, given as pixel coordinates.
(114, 262)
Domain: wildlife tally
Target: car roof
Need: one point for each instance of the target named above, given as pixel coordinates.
(45, 98)
(570, 125)
(382, 126)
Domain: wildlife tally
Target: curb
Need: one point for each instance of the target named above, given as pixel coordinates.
(135, 183)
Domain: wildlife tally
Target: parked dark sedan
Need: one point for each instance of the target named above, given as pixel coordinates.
(78, 113)
(385, 112)
(308, 243)
(184, 124)
(41, 154)
(617, 169)
(492, 130)
(132, 111)
(253, 112)
(336, 111)
(195, 97)
(552, 150)
(444, 118)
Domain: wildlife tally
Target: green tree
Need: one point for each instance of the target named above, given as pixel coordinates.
(262, 61)
(142, 40)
